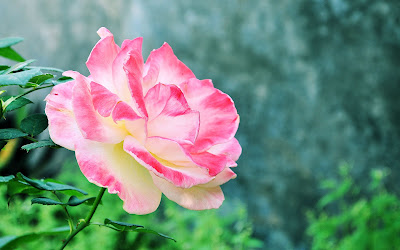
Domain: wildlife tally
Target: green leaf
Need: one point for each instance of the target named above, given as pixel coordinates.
(127, 227)
(11, 133)
(46, 201)
(11, 54)
(16, 104)
(20, 78)
(34, 124)
(120, 226)
(18, 187)
(46, 68)
(62, 80)
(3, 68)
(13, 242)
(19, 66)
(39, 144)
(73, 201)
(6, 179)
(6, 240)
(9, 41)
(49, 186)
(41, 78)
(145, 230)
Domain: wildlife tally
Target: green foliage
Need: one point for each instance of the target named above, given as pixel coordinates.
(6, 50)
(40, 79)
(21, 184)
(20, 79)
(191, 229)
(40, 144)
(121, 226)
(26, 77)
(12, 242)
(352, 218)
(11, 133)
(18, 66)
(73, 201)
(34, 124)
(16, 103)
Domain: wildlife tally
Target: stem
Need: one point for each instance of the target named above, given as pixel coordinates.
(69, 218)
(30, 138)
(30, 91)
(86, 221)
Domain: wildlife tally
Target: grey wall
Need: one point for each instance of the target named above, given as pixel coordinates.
(315, 83)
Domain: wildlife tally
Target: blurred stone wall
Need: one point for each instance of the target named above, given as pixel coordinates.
(315, 83)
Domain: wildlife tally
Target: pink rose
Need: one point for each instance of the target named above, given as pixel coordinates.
(142, 129)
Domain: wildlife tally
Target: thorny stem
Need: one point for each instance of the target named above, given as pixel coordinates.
(86, 221)
(69, 218)
(34, 89)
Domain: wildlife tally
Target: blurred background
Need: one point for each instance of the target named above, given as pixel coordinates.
(316, 84)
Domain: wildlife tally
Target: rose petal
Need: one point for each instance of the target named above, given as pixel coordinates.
(103, 100)
(232, 149)
(108, 165)
(62, 125)
(104, 32)
(213, 163)
(168, 150)
(194, 198)
(133, 68)
(135, 124)
(162, 66)
(101, 58)
(219, 120)
(128, 48)
(223, 177)
(169, 114)
(180, 176)
(173, 152)
(122, 111)
(91, 124)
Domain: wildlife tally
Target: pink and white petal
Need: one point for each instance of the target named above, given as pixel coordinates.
(173, 152)
(91, 124)
(108, 165)
(223, 177)
(101, 58)
(168, 150)
(213, 163)
(169, 114)
(122, 111)
(133, 68)
(194, 198)
(104, 101)
(136, 125)
(162, 66)
(62, 125)
(219, 120)
(179, 176)
(182, 128)
(166, 100)
(74, 74)
(138, 129)
(104, 32)
(232, 149)
(230, 163)
(119, 75)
